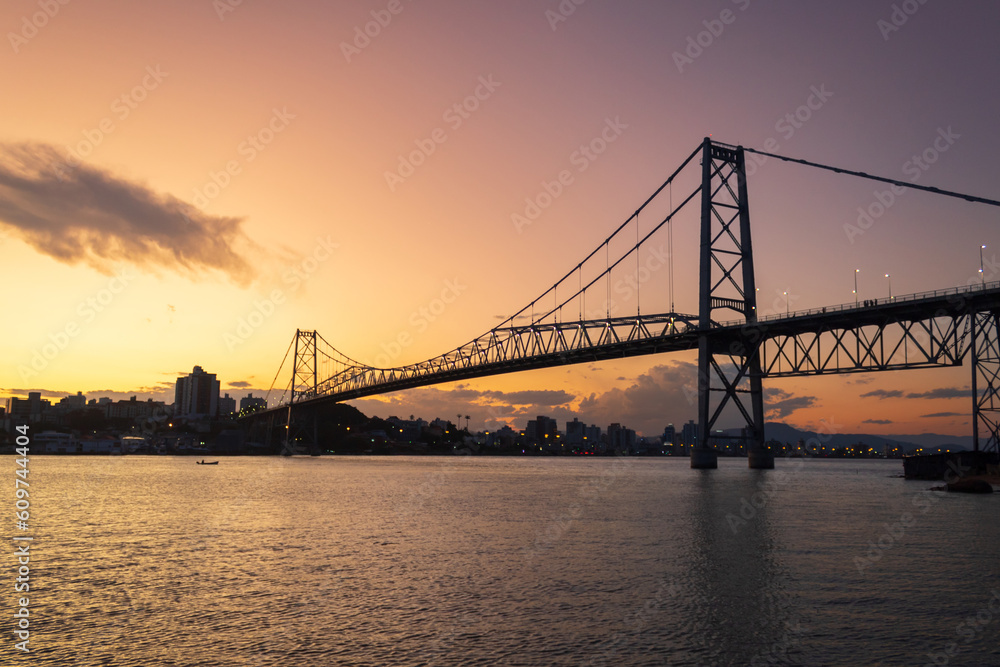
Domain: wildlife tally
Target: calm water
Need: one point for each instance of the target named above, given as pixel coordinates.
(477, 561)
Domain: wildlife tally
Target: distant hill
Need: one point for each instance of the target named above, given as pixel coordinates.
(786, 433)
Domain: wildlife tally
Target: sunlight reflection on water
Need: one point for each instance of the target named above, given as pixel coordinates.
(485, 561)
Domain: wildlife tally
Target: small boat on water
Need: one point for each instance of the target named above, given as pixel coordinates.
(203, 462)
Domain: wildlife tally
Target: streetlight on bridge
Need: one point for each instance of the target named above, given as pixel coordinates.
(982, 276)
(890, 286)
(786, 303)
(856, 287)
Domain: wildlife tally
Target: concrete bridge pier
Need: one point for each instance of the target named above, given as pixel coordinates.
(760, 459)
(703, 458)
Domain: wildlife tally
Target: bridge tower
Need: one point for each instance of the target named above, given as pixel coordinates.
(304, 384)
(729, 371)
(304, 379)
(985, 348)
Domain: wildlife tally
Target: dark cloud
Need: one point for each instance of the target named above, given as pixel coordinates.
(537, 397)
(161, 391)
(664, 394)
(942, 414)
(83, 214)
(488, 409)
(779, 404)
(240, 384)
(883, 393)
(18, 392)
(877, 421)
(942, 392)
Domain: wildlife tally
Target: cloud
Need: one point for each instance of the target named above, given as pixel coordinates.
(877, 421)
(883, 393)
(942, 392)
(537, 397)
(664, 394)
(942, 414)
(18, 392)
(488, 408)
(779, 404)
(543, 397)
(239, 384)
(83, 214)
(160, 391)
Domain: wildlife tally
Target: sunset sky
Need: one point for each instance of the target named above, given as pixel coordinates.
(169, 169)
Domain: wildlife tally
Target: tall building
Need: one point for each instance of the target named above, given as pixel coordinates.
(669, 435)
(248, 403)
(578, 434)
(615, 436)
(542, 430)
(574, 432)
(28, 410)
(77, 402)
(621, 439)
(227, 406)
(134, 409)
(592, 437)
(196, 395)
(689, 434)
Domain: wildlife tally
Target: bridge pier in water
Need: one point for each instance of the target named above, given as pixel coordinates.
(704, 458)
(760, 459)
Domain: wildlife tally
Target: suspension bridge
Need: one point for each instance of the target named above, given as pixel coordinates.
(579, 320)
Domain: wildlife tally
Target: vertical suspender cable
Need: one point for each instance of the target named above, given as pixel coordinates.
(607, 273)
(670, 247)
(637, 311)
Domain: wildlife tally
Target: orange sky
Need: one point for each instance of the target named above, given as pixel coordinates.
(213, 160)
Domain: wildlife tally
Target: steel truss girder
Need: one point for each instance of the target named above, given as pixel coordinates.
(932, 342)
(519, 348)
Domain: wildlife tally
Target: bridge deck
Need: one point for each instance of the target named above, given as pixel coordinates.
(538, 346)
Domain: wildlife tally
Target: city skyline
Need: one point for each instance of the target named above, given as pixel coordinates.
(394, 198)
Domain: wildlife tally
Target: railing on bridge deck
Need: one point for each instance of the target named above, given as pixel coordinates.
(875, 303)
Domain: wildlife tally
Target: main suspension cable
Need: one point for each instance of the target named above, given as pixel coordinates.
(893, 181)
(269, 389)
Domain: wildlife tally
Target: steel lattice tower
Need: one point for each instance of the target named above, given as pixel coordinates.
(727, 367)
